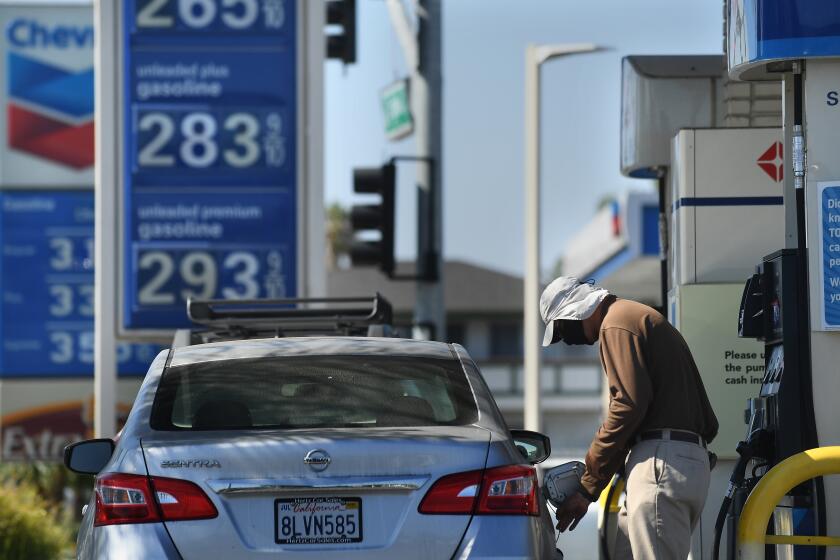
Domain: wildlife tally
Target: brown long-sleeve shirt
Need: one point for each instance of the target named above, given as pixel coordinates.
(653, 383)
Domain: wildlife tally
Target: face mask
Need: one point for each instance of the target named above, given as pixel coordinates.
(572, 333)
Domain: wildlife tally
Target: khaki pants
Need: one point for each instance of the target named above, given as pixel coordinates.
(667, 483)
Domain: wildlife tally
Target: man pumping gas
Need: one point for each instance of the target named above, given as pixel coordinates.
(658, 423)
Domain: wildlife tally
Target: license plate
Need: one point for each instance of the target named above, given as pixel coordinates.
(317, 520)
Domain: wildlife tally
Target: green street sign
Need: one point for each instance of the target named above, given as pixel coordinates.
(397, 112)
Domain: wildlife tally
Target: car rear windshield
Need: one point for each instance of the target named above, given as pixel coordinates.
(313, 392)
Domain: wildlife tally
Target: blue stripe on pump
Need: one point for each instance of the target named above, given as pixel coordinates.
(730, 201)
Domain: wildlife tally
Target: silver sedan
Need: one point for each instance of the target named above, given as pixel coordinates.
(315, 448)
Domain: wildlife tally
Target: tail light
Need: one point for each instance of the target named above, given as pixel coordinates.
(181, 500)
(453, 494)
(124, 498)
(130, 498)
(510, 490)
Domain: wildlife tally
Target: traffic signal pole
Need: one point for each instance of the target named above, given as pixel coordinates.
(429, 307)
(423, 58)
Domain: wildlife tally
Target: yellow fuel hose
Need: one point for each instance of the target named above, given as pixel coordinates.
(608, 504)
(772, 487)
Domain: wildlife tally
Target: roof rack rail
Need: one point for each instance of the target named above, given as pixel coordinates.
(225, 319)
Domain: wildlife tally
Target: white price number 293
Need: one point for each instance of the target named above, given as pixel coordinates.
(199, 147)
(198, 271)
(198, 14)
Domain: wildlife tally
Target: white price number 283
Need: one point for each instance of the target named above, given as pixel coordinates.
(199, 147)
(199, 14)
(198, 271)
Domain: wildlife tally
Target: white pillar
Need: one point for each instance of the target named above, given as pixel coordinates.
(535, 55)
(105, 225)
(533, 410)
(821, 125)
(312, 276)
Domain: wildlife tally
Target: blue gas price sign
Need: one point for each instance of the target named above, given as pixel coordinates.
(46, 278)
(210, 196)
(208, 16)
(209, 147)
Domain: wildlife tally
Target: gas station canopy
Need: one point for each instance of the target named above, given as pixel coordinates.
(762, 35)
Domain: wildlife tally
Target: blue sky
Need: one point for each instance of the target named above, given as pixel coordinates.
(483, 73)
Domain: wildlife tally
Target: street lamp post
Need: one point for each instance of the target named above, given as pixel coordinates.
(535, 56)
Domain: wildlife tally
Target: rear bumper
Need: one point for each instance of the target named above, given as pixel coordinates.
(509, 537)
(137, 541)
(487, 537)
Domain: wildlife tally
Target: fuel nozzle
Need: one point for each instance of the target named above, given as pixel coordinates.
(756, 444)
(747, 449)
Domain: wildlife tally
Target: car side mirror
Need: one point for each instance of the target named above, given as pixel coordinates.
(89, 456)
(534, 446)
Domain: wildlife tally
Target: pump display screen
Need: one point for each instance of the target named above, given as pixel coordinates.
(773, 270)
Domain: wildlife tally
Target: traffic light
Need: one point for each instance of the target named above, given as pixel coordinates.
(342, 45)
(374, 217)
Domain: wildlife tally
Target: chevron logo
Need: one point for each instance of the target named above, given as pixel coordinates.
(772, 161)
(50, 111)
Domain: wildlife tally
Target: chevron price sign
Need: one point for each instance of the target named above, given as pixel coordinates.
(46, 95)
(210, 147)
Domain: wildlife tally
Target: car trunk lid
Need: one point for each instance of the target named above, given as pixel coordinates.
(269, 498)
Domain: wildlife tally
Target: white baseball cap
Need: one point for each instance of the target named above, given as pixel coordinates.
(568, 298)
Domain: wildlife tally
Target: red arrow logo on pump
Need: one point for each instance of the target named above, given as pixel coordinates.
(772, 161)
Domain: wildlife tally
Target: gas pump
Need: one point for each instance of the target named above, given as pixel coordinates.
(799, 42)
(715, 147)
(784, 407)
(780, 419)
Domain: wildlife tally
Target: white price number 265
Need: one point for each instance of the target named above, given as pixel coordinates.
(199, 147)
(198, 271)
(198, 14)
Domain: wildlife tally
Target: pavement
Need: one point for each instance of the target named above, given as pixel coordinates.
(581, 544)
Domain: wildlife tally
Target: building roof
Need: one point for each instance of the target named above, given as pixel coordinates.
(468, 288)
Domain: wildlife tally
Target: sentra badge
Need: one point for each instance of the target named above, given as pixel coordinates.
(191, 464)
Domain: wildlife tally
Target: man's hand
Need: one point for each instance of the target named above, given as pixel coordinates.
(571, 511)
